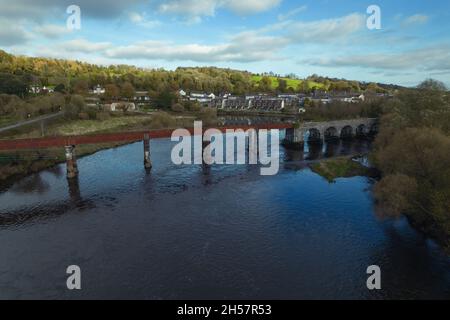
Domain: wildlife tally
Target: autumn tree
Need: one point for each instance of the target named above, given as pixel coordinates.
(111, 91)
(127, 90)
(81, 87)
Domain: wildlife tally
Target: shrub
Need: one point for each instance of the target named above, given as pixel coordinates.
(162, 120)
(177, 107)
(102, 116)
(83, 116)
(193, 106)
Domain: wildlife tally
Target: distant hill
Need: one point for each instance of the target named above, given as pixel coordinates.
(76, 75)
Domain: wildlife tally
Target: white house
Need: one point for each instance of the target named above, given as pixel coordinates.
(35, 89)
(122, 106)
(98, 90)
(202, 97)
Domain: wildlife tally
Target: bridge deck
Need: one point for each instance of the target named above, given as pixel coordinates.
(61, 141)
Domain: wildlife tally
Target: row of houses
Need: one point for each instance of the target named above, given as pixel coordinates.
(34, 89)
(266, 102)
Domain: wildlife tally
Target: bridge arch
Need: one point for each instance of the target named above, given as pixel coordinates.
(362, 130)
(347, 132)
(331, 133)
(313, 135)
(374, 128)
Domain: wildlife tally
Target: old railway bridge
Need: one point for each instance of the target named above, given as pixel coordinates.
(296, 135)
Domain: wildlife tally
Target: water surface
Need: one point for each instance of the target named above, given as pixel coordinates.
(182, 232)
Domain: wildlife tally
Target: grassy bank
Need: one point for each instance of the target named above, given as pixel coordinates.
(332, 169)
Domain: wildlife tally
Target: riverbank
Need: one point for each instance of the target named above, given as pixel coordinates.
(342, 167)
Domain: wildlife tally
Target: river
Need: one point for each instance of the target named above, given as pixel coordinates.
(179, 232)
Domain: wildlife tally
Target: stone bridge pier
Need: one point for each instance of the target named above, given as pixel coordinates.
(71, 162)
(318, 132)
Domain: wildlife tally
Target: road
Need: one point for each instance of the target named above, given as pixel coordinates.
(32, 121)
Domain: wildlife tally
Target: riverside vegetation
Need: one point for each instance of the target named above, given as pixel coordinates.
(412, 151)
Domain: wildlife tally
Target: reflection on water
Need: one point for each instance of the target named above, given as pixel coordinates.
(187, 232)
(329, 149)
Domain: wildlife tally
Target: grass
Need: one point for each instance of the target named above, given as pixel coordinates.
(65, 127)
(338, 168)
(8, 120)
(78, 127)
(116, 123)
(291, 83)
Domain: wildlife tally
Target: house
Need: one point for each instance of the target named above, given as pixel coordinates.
(202, 98)
(48, 89)
(142, 97)
(354, 98)
(98, 90)
(121, 106)
(35, 89)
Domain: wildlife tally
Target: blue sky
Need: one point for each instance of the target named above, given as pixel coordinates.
(326, 37)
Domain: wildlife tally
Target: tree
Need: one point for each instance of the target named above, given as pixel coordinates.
(60, 88)
(165, 99)
(11, 84)
(282, 85)
(304, 87)
(177, 107)
(373, 87)
(265, 84)
(395, 194)
(81, 87)
(75, 106)
(431, 84)
(111, 92)
(412, 151)
(127, 90)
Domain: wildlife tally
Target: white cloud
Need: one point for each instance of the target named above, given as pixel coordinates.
(435, 58)
(12, 33)
(250, 6)
(39, 10)
(190, 8)
(51, 31)
(248, 46)
(292, 13)
(244, 48)
(194, 10)
(84, 46)
(416, 19)
(141, 20)
(327, 30)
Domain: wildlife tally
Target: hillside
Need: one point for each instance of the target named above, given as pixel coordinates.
(293, 84)
(19, 72)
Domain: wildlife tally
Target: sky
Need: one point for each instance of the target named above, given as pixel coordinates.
(325, 37)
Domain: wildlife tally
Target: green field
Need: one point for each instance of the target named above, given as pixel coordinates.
(292, 83)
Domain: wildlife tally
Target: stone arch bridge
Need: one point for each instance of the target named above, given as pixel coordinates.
(322, 131)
